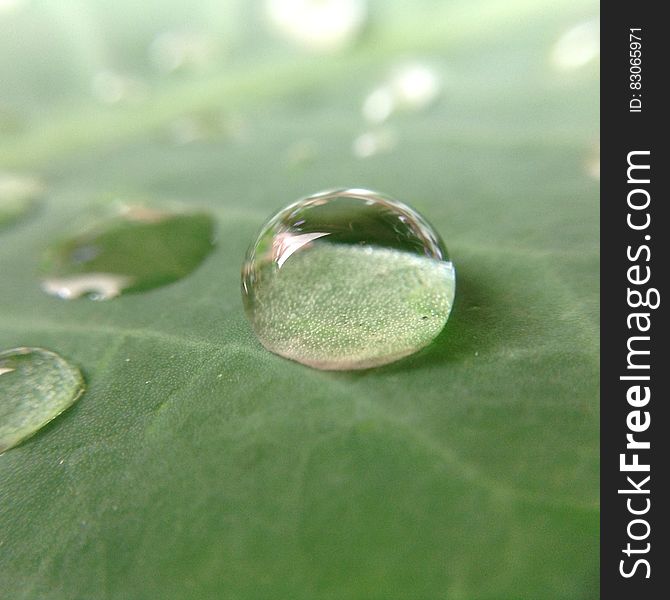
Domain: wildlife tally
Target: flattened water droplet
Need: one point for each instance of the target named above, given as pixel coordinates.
(141, 249)
(36, 385)
(318, 25)
(347, 279)
(18, 193)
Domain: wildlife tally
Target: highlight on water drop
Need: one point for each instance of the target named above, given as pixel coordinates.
(36, 385)
(347, 279)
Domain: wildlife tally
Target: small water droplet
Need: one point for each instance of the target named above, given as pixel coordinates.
(201, 126)
(18, 194)
(410, 86)
(172, 51)
(111, 87)
(578, 46)
(371, 143)
(138, 250)
(301, 153)
(360, 286)
(36, 385)
(318, 25)
(379, 104)
(415, 86)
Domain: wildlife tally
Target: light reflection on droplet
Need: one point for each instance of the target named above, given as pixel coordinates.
(577, 47)
(318, 25)
(96, 286)
(370, 143)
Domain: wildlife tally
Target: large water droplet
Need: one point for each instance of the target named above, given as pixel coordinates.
(35, 387)
(139, 250)
(347, 279)
(18, 193)
(318, 25)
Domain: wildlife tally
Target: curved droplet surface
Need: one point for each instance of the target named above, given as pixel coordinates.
(347, 279)
(36, 385)
(139, 250)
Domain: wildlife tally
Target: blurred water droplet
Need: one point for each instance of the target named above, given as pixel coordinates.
(110, 87)
(18, 193)
(318, 25)
(201, 126)
(379, 104)
(340, 281)
(410, 86)
(11, 5)
(370, 143)
(578, 46)
(301, 153)
(138, 250)
(592, 163)
(415, 86)
(36, 385)
(172, 51)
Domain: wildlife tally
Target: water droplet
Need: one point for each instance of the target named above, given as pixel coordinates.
(410, 86)
(301, 153)
(18, 193)
(172, 51)
(415, 86)
(379, 104)
(200, 126)
(318, 25)
(111, 87)
(370, 143)
(347, 279)
(35, 387)
(138, 250)
(578, 46)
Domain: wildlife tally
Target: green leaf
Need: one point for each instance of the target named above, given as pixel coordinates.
(199, 465)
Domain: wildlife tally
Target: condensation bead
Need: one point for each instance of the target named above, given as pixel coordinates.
(347, 279)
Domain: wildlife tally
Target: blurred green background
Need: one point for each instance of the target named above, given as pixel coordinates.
(198, 465)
